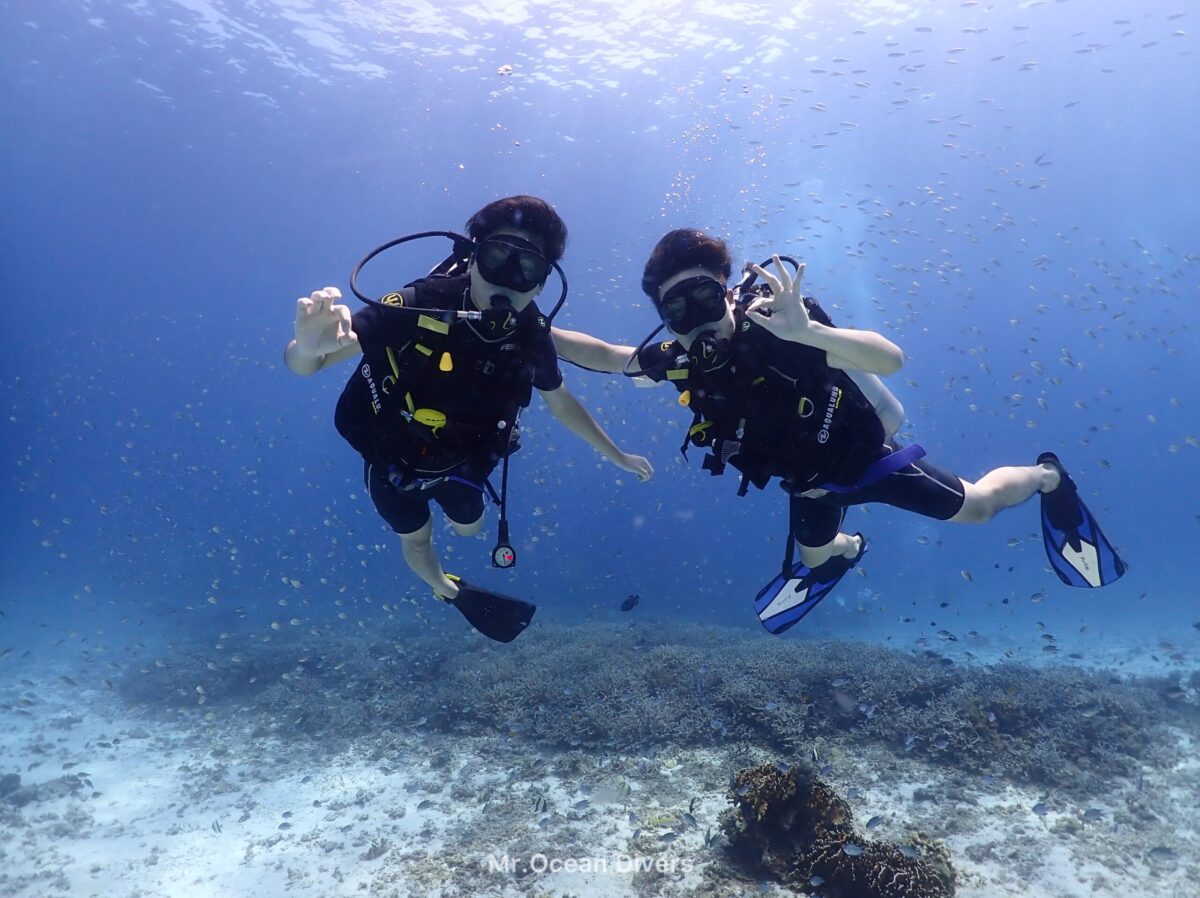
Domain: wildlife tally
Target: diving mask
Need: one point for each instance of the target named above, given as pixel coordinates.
(691, 303)
(512, 262)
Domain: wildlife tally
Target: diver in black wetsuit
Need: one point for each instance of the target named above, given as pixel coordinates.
(432, 406)
(777, 391)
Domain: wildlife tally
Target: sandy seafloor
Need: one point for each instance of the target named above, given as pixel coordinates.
(202, 808)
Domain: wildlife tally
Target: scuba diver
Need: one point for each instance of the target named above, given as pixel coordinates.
(777, 391)
(448, 363)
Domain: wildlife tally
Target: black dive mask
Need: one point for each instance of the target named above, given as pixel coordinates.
(513, 262)
(709, 352)
(691, 303)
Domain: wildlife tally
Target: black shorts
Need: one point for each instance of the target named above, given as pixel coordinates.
(921, 487)
(407, 510)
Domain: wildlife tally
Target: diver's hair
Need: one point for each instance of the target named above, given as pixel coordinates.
(682, 249)
(527, 213)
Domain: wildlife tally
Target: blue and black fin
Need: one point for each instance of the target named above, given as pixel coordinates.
(798, 589)
(1078, 550)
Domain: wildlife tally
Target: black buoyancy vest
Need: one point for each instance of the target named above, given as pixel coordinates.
(809, 424)
(445, 398)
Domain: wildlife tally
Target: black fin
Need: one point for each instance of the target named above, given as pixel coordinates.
(496, 616)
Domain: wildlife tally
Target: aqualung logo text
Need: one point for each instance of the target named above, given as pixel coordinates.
(376, 405)
(835, 396)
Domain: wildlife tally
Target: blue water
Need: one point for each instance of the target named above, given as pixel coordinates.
(1007, 192)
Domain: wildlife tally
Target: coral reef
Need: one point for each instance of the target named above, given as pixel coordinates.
(790, 823)
(612, 688)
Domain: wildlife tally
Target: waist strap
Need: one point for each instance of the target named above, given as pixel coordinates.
(879, 469)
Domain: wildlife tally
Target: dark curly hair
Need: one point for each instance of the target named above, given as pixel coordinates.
(527, 213)
(682, 249)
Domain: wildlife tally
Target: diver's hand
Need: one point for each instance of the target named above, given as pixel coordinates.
(322, 324)
(636, 465)
(783, 313)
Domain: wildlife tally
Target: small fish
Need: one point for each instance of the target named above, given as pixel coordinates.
(630, 602)
(216, 827)
(424, 804)
(874, 821)
(1092, 815)
(742, 790)
(539, 803)
(909, 852)
(668, 837)
(582, 805)
(688, 820)
(816, 880)
(852, 850)
(1041, 809)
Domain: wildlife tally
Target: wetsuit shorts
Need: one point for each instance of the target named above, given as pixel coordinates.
(407, 510)
(921, 487)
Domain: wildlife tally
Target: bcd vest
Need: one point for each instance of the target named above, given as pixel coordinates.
(446, 398)
(808, 424)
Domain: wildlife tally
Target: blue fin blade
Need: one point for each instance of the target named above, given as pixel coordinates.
(785, 601)
(1082, 555)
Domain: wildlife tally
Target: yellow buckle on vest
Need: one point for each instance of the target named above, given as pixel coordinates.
(685, 398)
(434, 324)
(431, 418)
(445, 363)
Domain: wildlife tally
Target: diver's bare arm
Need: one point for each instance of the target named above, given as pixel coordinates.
(567, 409)
(785, 315)
(847, 348)
(590, 352)
(304, 364)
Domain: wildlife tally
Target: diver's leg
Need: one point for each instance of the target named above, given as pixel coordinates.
(463, 506)
(847, 545)
(407, 513)
(816, 525)
(1003, 488)
(468, 529)
(420, 556)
